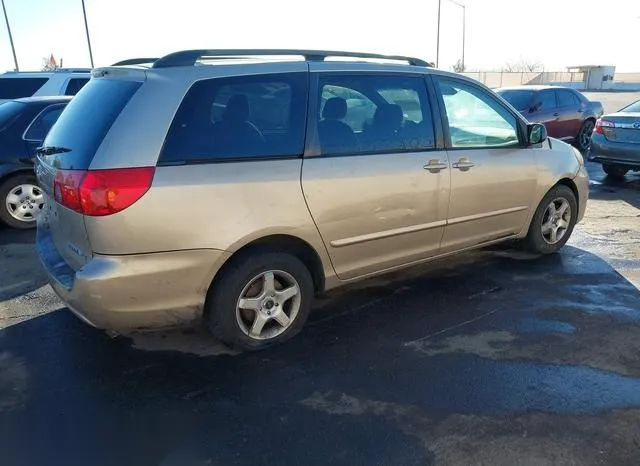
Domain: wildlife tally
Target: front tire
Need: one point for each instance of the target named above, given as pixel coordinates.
(615, 171)
(553, 221)
(260, 300)
(20, 201)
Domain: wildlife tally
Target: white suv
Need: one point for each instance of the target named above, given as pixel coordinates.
(66, 81)
(63, 81)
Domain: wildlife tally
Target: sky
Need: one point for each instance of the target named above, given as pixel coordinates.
(556, 33)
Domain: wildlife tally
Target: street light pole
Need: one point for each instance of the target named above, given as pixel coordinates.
(438, 37)
(86, 27)
(13, 49)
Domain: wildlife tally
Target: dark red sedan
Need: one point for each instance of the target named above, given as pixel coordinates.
(567, 113)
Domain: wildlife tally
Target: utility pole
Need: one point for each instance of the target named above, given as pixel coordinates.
(13, 48)
(86, 27)
(438, 37)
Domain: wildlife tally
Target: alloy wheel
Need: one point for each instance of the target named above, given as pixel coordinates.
(268, 305)
(556, 220)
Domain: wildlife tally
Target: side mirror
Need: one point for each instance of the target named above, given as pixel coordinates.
(537, 133)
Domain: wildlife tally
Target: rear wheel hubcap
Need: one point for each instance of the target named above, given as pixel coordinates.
(23, 202)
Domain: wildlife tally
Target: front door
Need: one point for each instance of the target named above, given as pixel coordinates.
(546, 111)
(493, 177)
(376, 186)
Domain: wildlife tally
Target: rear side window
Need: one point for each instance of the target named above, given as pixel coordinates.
(567, 99)
(74, 85)
(43, 123)
(15, 88)
(364, 113)
(243, 117)
(86, 120)
(9, 111)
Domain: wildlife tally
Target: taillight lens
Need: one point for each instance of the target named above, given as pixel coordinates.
(101, 192)
(600, 124)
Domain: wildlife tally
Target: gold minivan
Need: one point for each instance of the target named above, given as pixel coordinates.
(230, 186)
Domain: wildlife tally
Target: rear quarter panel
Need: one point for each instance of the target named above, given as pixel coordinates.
(221, 206)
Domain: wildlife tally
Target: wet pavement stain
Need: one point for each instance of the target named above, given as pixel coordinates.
(521, 439)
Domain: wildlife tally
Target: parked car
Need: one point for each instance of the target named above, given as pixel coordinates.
(64, 81)
(235, 190)
(616, 141)
(567, 114)
(23, 125)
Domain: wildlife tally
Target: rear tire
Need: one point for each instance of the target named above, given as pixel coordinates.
(583, 139)
(20, 201)
(261, 299)
(552, 226)
(615, 171)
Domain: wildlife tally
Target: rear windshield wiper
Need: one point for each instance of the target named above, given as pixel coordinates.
(49, 150)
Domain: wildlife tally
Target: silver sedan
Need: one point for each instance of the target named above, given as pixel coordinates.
(615, 142)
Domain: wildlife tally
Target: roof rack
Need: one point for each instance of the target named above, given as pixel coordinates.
(135, 61)
(190, 57)
(72, 70)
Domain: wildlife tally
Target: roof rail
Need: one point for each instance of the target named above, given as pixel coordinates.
(72, 70)
(189, 57)
(134, 61)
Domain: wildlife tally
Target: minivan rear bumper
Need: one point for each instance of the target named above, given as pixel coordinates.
(140, 291)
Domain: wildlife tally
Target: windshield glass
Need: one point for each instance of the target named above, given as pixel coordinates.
(86, 120)
(634, 107)
(520, 99)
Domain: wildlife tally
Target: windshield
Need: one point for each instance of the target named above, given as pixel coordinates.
(9, 111)
(520, 99)
(86, 120)
(634, 107)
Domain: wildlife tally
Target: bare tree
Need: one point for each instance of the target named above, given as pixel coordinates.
(459, 67)
(523, 65)
(49, 64)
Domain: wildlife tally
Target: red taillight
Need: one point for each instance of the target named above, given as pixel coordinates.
(101, 192)
(603, 124)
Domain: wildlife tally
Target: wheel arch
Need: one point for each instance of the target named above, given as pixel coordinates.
(563, 181)
(280, 243)
(11, 171)
(568, 182)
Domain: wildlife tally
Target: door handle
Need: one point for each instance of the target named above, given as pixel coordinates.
(464, 164)
(556, 114)
(435, 165)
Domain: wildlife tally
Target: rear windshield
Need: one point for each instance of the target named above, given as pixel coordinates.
(519, 99)
(15, 88)
(634, 107)
(9, 111)
(86, 120)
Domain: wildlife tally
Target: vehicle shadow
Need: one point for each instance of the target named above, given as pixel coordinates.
(605, 187)
(74, 393)
(20, 269)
